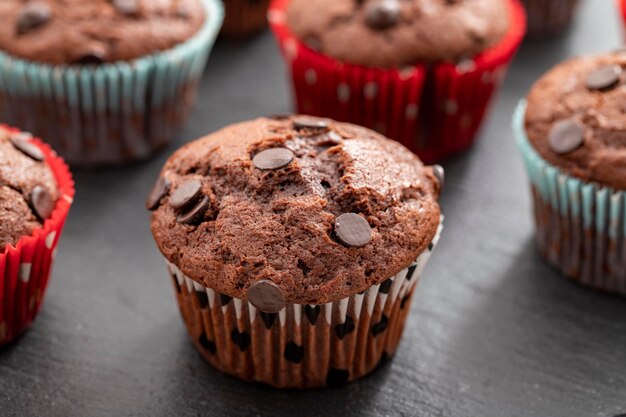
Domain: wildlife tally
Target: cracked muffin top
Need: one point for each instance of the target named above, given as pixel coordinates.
(95, 31)
(395, 33)
(576, 118)
(28, 190)
(319, 209)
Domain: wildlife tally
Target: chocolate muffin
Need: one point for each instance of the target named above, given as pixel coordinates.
(421, 72)
(104, 81)
(302, 225)
(573, 138)
(28, 190)
(36, 192)
(393, 33)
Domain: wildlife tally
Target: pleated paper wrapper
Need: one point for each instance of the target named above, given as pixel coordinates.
(435, 110)
(581, 227)
(302, 346)
(25, 268)
(549, 17)
(111, 113)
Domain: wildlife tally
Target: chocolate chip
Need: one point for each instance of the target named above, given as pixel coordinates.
(268, 319)
(186, 194)
(196, 212)
(126, 7)
(604, 78)
(381, 326)
(33, 15)
(337, 377)
(440, 174)
(242, 340)
(207, 344)
(566, 136)
(273, 158)
(330, 139)
(385, 286)
(294, 352)
(21, 142)
(306, 122)
(353, 230)
(345, 328)
(312, 313)
(159, 190)
(266, 296)
(382, 14)
(41, 202)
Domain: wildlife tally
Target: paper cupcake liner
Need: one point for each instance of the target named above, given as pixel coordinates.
(549, 17)
(581, 227)
(244, 17)
(25, 267)
(435, 110)
(110, 113)
(302, 346)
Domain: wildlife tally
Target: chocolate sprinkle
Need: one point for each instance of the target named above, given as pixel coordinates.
(41, 202)
(159, 190)
(32, 15)
(440, 174)
(353, 230)
(273, 158)
(195, 213)
(266, 296)
(566, 136)
(604, 78)
(305, 122)
(186, 194)
(382, 14)
(21, 142)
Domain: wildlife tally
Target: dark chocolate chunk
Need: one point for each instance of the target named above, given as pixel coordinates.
(242, 340)
(33, 15)
(268, 319)
(266, 296)
(566, 136)
(159, 190)
(312, 313)
(307, 122)
(41, 202)
(294, 352)
(196, 212)
(345, 328)
(126, 7)
(382, 14)
(21, 142)
(381, 326)
(353, 230)
(207, 344)
(604, 78)
(385, 286)
(337, 377)
(440, 174)
(203, 299)
(273, 158)
(186, 194)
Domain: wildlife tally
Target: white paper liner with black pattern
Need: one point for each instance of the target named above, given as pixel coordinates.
(302, 346)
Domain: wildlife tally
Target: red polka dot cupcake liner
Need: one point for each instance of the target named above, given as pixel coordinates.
(244, 17)
(435, 110)
(549, 17)
(301, 346)
(25, 268)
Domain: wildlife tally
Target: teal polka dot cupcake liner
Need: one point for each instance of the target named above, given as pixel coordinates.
(581, 226)
(111, 113)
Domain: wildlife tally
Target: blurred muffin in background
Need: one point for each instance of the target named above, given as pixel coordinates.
(572, 134)
(244, 17)
(103, 81)
(549, 17)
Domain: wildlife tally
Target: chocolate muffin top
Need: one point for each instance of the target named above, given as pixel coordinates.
(95, 31)
(28, 190)
(312, 209)
(395, 33)
(576, 118)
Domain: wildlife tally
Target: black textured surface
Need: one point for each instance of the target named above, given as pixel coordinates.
(493, 332)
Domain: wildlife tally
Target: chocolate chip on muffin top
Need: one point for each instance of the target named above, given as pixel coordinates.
(576, 118)
(95, 31)
(28, 190)
(395, 33)
(295, 210)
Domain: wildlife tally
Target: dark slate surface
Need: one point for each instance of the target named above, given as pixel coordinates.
(493, 332)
